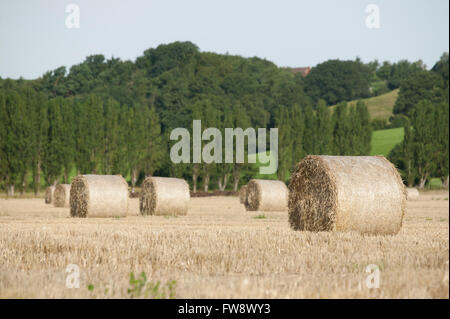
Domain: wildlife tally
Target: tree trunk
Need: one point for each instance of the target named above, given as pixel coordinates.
(222, 182)
(23, 189)
(11, 190)
(134, 178)
(206, 182)
(410, 181)
(66, 175)
(236, 177)
(37, 180)
(422, 182)
(194, 178)
(445, 182)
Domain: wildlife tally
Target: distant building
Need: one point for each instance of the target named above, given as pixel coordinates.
(303, 71)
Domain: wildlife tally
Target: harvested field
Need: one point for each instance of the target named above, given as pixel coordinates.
(219, 250)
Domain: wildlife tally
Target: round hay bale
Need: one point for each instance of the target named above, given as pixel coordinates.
(266, 195)
(61, 195)
(242, 194)
(164, 196)
(412, 193)
(346, 193)
(49, 194)
(99, 196)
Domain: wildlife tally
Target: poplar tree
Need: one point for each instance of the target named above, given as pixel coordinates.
(52, 162)
(309, 132)
(324, 129)
(240, 119)
(285, 143)
(297, 128)
(39, 138)
(88, 134)
(365, 134)
(111, 131)
(340, 145)
(67, 137)
(153, 146)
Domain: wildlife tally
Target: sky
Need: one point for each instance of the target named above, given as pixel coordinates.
(38, 35)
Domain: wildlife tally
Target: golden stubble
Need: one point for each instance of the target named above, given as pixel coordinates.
(219, 250)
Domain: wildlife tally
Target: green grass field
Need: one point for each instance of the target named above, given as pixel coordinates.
(383, 141)
(380, 107)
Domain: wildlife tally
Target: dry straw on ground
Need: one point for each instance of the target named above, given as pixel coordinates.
(99, 196)
(61, 195)
(49, 194)
(346, 193)
(243, 194)
(164, 196)
(219, 253)
(266, 195)
(412, 193)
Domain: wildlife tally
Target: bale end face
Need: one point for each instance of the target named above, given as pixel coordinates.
(61, 195)
(79, 197)
(312, 196)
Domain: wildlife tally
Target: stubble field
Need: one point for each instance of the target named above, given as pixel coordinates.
(218, 251)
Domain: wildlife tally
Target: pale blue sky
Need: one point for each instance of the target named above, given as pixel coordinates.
(34, 38)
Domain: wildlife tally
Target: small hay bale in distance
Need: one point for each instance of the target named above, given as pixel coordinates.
(243, 194)
(266, 195)
(49, 194)
(412, 193)
(99, 196)
(164, 196)
(61, 195)
(346, 193)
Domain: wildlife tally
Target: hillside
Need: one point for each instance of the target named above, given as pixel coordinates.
(380, 107)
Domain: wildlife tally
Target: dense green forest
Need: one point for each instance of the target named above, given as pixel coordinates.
(109, 116)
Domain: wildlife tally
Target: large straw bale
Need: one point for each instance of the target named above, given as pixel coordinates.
(346, 193)
(61, 195)
(164, 196)
(99, 196)
(266, 195)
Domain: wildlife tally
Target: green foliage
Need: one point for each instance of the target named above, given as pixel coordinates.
(140, 287)
(395, 74)
(424, 152)
(421, 85)
(335, 81)
(261, 216)
(379, 124)
(442, 68)
(108, 116)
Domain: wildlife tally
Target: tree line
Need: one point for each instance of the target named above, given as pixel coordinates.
(110, 116)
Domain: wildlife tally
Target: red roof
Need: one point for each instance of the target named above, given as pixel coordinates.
(304, 71)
